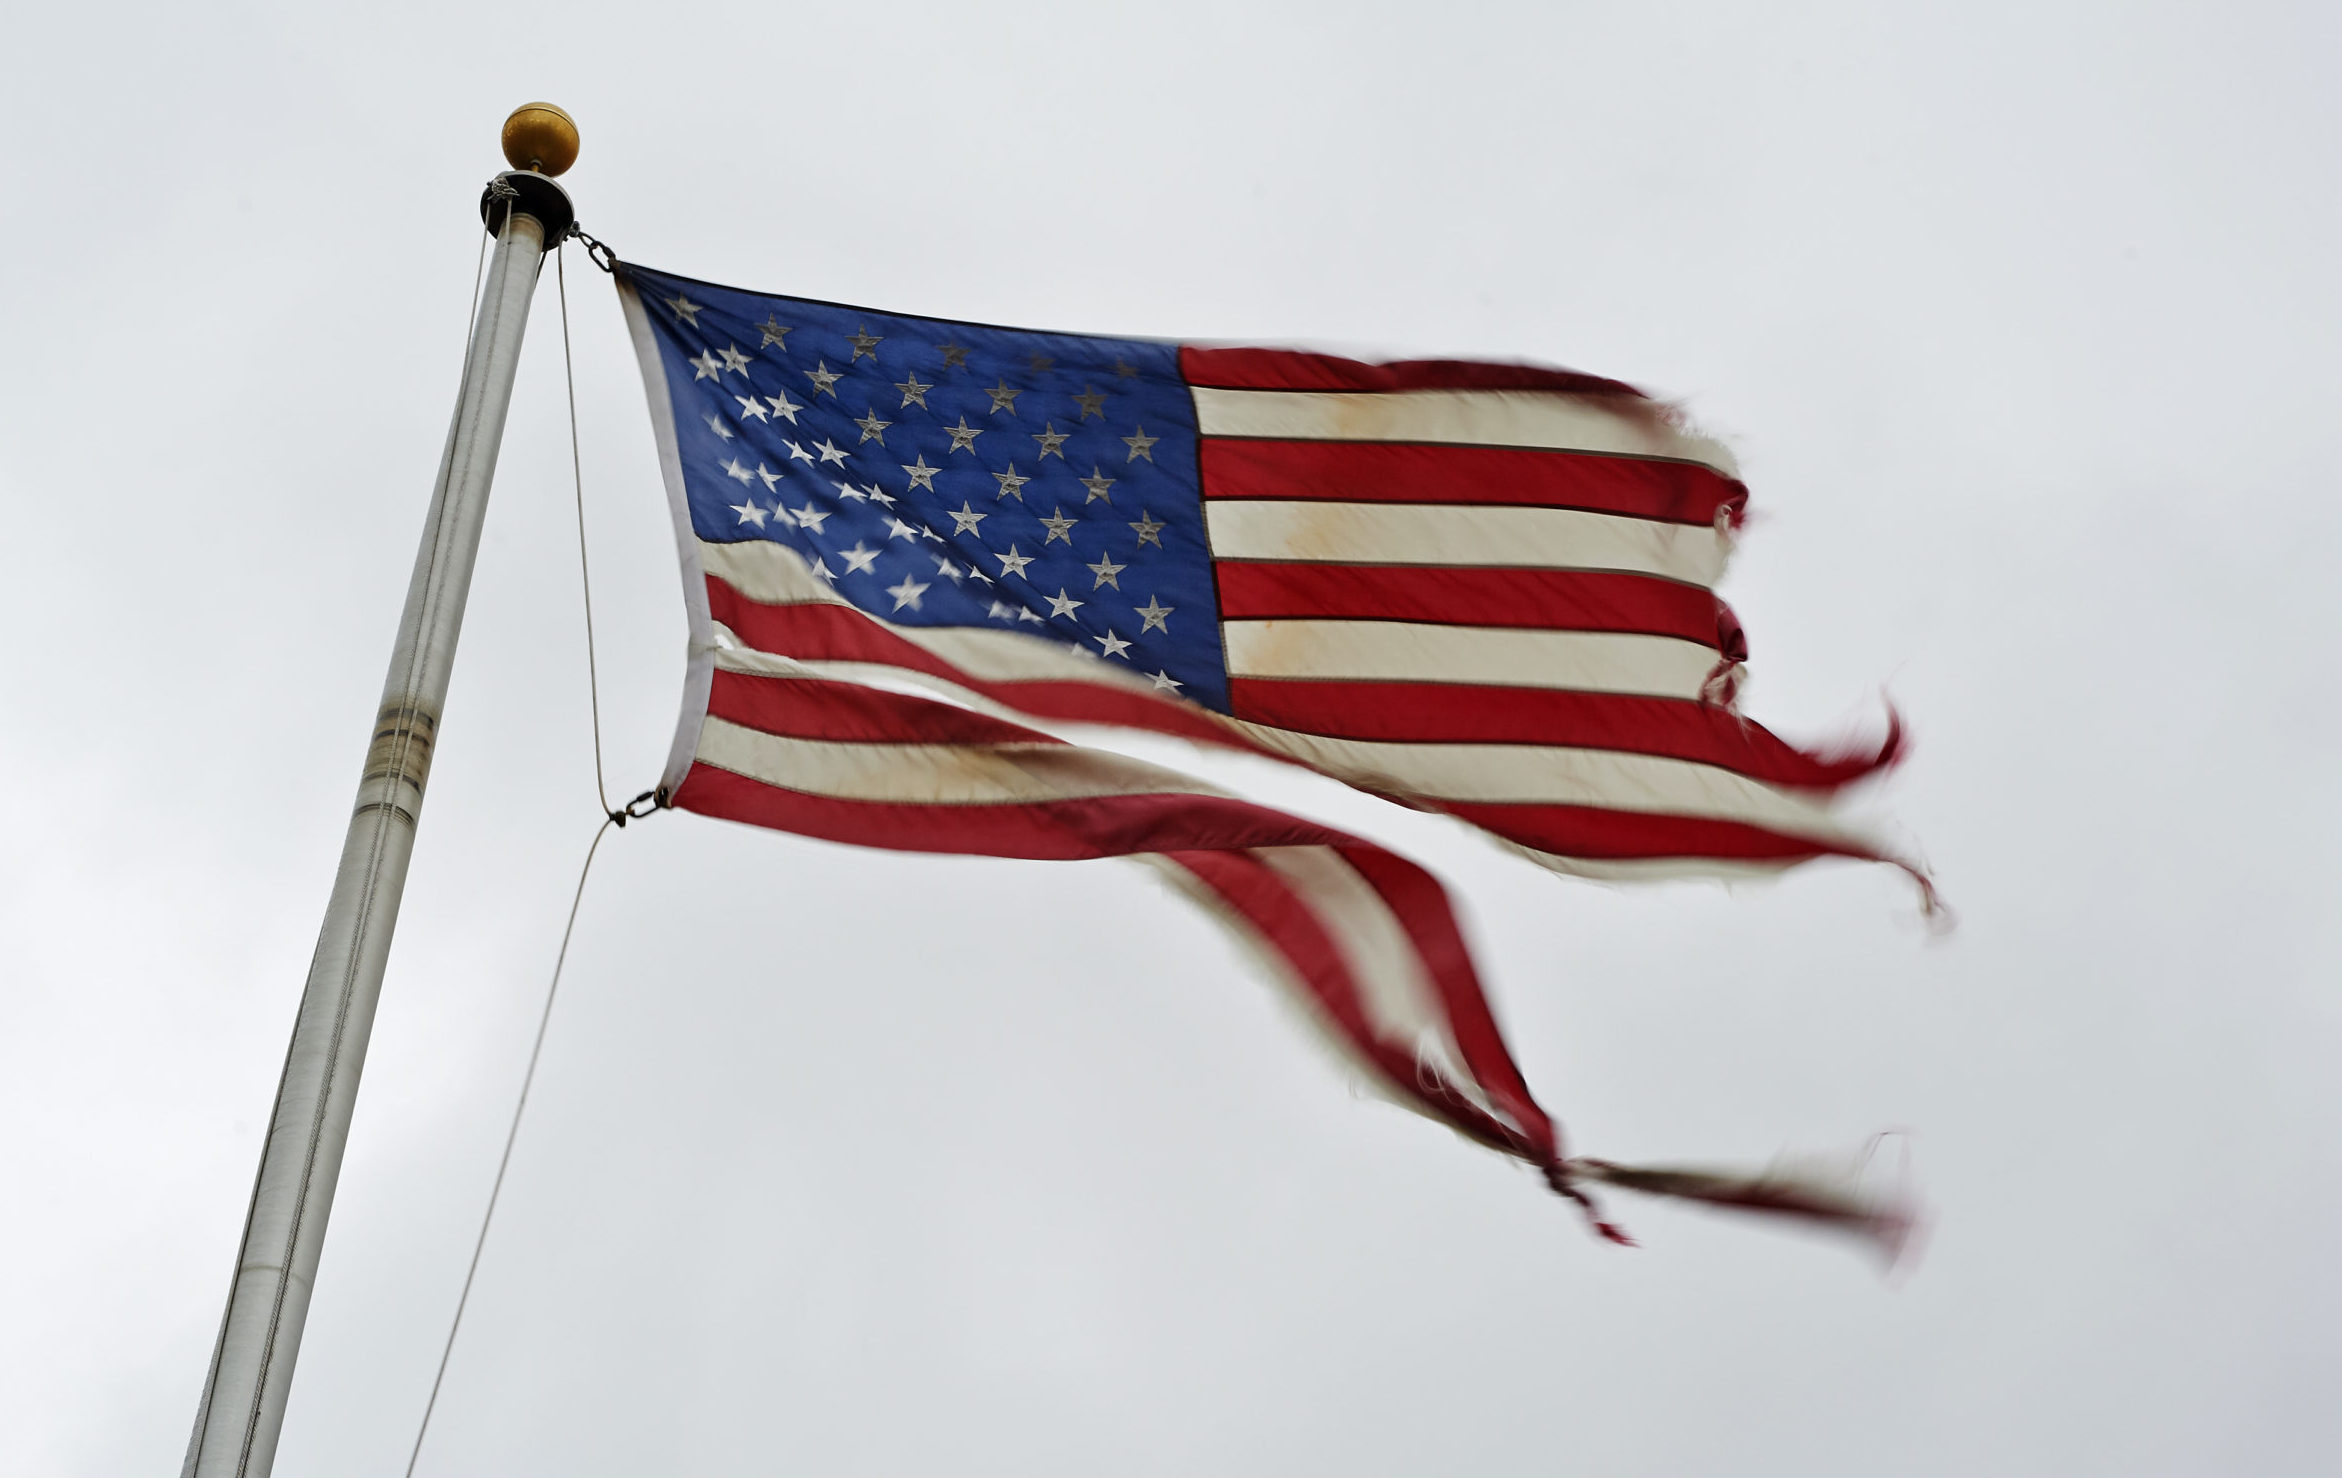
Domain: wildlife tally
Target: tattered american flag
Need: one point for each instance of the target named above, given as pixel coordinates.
(1479, 589)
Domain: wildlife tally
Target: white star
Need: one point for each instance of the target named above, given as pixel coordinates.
(858, 560)
(1115, 646)
(878, 495)
(823, 377)
(949, 569)
(1106, 570)
(915, 390)
(1148, 530)
(967, 518)
(1013, 563)
(1097, 482)
(873, 429)
(963, 437)
(784, 407)
(897, 529)
(1166, 683)
(736, 472)
(907, 593)
(775, 332)
(922, 475)
(797, 452)
(751, 406)
(734, 360)
(1004, 612)
(782, 516)
(1141, 445)
(1059, 527)
(749, 513)
(1156, 614)
(1010, 483)
(770, 477)
(1092, 403)
(821, 568)
(716, 424)
(850, 492)
(1003, 398)
(953, 356)
(830, 453)
(866, 343)
(1062, 604)
(1051, 439)
(1027, 613)
(709, 367)
(812, 517)
(685, 309)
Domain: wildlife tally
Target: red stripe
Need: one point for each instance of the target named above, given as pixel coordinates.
(1390, 712)
(1093, 826)
(1296, 369)
(1438, 713)
(1555, 600)
(839, 712)
(1590, 832)
(1400, 472)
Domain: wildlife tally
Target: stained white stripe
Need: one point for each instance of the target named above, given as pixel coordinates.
(1530, 418)
(1443, 534)
(1492, 773)
(1527, 774)
(1408, 651)
(935, 774)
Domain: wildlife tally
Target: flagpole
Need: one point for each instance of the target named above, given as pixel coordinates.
(284, 1228)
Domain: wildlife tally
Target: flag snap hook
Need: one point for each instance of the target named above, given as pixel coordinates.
(641, 806)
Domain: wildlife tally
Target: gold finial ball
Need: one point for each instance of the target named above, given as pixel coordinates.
(541, 137)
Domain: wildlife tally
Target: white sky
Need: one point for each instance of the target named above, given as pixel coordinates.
(2022, 318)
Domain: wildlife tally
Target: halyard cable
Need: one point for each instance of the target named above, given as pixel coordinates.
(577, 482)
(512, 1133)
(641, 806)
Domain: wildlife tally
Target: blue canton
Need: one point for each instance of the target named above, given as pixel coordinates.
(952, 474)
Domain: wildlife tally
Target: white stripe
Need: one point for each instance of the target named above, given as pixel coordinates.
(1530, 418)
(1401, 1004)
(774, 574)
(1525, 774)
(1477, 534)
(935, 774)
(1728, 870)
(1408, 651)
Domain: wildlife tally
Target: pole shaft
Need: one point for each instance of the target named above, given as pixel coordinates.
(284, 1230)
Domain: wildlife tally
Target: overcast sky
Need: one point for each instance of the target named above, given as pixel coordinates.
(2022, 319)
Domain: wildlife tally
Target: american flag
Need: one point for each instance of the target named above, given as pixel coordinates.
(1479, 589)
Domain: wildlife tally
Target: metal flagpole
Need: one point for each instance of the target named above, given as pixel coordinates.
(284, 1229)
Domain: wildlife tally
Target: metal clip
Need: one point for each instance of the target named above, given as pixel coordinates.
(641, 806)
(596, 252)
